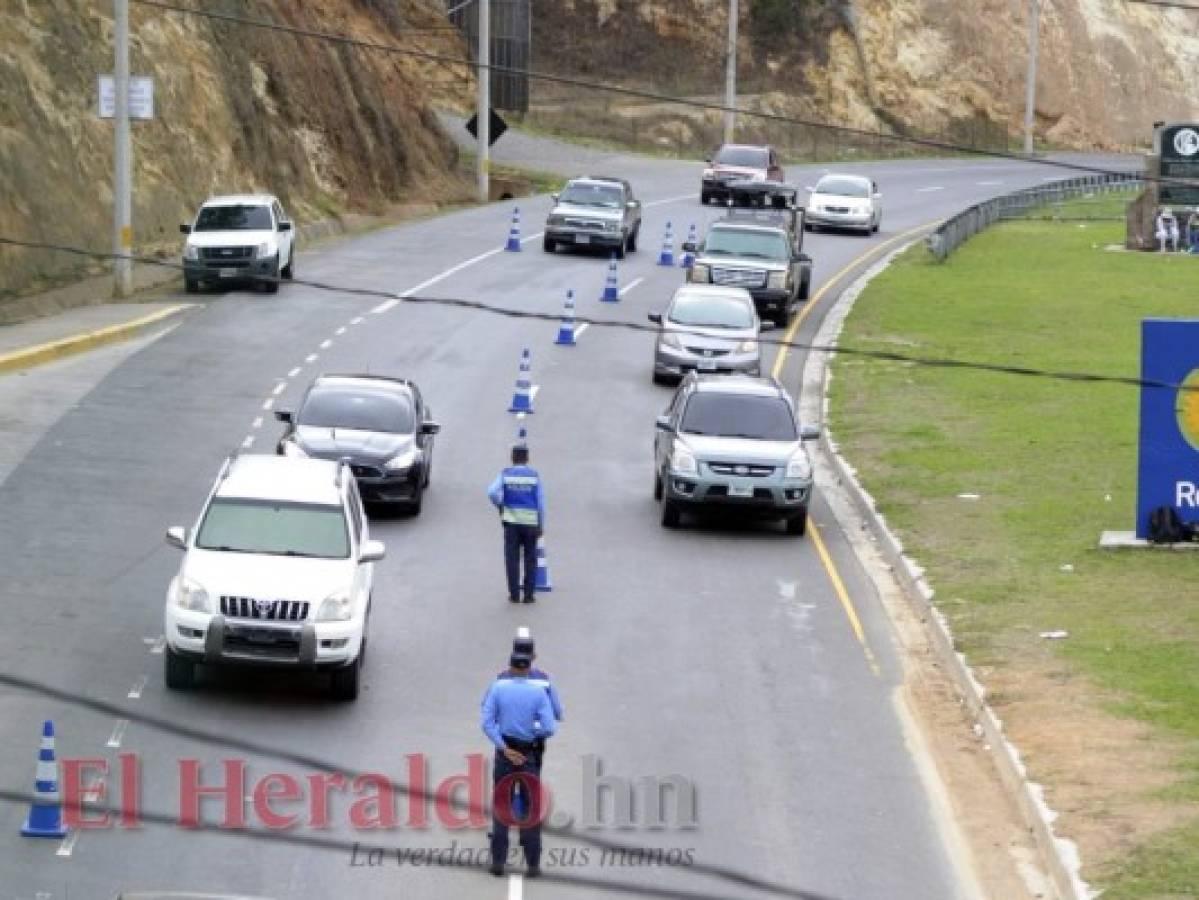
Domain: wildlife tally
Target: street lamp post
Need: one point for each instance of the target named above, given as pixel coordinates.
(730, 74)
(1030, 88)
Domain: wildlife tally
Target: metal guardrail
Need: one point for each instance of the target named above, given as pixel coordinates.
(955, 231)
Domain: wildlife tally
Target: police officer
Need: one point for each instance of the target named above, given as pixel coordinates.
(516, 716)
(519, 495)
(524, 645)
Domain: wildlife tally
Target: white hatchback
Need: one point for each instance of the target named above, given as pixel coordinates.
(277, 571)
(852, 202)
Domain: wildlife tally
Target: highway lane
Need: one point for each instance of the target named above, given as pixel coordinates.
(718, 654)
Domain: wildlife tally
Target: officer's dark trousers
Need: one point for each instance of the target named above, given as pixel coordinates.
(502, 813)
(520, 542)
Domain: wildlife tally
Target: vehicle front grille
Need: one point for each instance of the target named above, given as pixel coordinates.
(746, 278)
(223, 254)
(284, 645)
(276, 610)
(707, 352)
(366, 471)
(742, 469)
(585, 224)
(838, 209)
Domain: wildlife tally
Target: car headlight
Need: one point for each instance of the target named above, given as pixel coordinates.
(191, 252)
(777, 281)
(682, 461)
(404, 461)
(263, 251)
(335, 608)
(700, 273)
(747, 347)
(191, 595)
(758, 176)
(612, 225)
(294, 450)
(799, 466)
(670, 339)
(709, 173)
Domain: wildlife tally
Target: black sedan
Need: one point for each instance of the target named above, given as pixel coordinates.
(380, 424)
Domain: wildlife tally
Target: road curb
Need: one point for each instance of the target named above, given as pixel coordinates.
(1059, 855)
(39, 354)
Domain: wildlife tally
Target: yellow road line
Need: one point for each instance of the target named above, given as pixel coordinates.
(27, 357)
(780, 362)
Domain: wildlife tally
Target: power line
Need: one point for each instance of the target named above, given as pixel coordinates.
(1168, 4)
(190, 732)
(928, 143)
(513, 313)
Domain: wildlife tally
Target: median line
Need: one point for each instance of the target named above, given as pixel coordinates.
(39, 354)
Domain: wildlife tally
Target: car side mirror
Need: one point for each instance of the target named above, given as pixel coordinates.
(372, 551)
(766, 326)
(185, 229)
(688, 246)
(554, 197)
(663, 424)
(285, 226)
(177, 537)
(632, 204)
(808, 432)
(429, 427)
(285, 415)
(656, 318)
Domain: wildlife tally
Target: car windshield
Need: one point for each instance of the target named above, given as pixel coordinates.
(358, 410)
(711, 311)
(234, 218)
(747, 242)
(606, 195)
(746, 157)
(842, 187)
(279, 529)
(739, 415)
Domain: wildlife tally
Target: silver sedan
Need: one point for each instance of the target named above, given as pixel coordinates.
(707, 328)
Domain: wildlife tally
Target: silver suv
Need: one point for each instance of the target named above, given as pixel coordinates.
(594, 211)
(733, 442)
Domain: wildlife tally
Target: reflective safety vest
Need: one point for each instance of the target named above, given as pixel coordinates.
(520, 495)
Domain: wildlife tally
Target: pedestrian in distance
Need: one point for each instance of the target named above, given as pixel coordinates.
(1162, 227)
(1172, 225)
(519, 495)
(1192, 235)
(516, 716)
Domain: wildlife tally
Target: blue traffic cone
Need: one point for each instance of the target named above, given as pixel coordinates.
(611, 285)
(542, 583)
(513, 245)
(566, 331)
(45, 813)
(522, 399)
(688, 256)
(666, 257)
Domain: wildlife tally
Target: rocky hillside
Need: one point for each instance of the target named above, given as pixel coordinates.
(1108, 69)
(326, 127)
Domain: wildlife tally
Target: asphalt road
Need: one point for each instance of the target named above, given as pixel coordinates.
(721, 655)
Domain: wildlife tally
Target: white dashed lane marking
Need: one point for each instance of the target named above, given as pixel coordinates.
(341, 330)
(357, 320)
(279, 388)
(294, 372)
(268, 403)
(118, 733)
(248, 442)
(929, 190)
(326, 344)
(385, 306)
(516, 887)
(311, 358)
(257, 423)
(580, 329)
(68, 844)
(632, 284)
(135, 692)
(988, 183)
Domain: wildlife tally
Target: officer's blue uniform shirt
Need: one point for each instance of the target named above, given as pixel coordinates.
(519, 709)
(542, 679)
(520, 495)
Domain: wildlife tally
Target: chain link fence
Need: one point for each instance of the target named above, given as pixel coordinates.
(955, 231)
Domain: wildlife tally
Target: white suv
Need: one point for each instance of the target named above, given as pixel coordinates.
(239, 237)
(277, 571)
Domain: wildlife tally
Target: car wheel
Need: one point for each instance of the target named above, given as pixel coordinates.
(343, 683)
(289, 270)
(415, 506)
(180, 672)
(797, 525)
(704, 198)
(878, 224)
(428, 474)
(782, 318)
(549, 245)
(657, 486)
(191, 285)
(805, 288)
(632, 245)
(671, 514)
(619, 252)
(272, 286)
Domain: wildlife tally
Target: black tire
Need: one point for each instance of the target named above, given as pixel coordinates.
(797, 525)
(289, 270)
(179, 671)
(191, 285)
(632, 244)
(272, 286)
(805, 288)
(878, 225)
(671, 514)
(619, 252)
(413, 509)
(343, 683)
(808, 226)
(549, 245)
(657, 486)
(704, 198)
(782, 318)
(662, 379)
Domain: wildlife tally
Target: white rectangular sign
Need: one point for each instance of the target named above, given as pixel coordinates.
(141, 97)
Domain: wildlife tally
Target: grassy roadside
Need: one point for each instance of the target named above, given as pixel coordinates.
(1053, 464)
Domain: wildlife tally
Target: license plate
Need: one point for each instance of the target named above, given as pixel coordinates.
(741, 490)
(706, 365)
(582, 239)
(259, 635)
(228, 273)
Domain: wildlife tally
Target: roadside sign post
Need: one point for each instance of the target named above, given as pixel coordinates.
(122, 269)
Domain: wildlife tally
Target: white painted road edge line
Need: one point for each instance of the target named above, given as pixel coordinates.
(929, 190)
(988, 183)
(632, 284)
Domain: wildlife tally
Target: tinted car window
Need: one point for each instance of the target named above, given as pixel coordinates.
(708, 311)
(739, 415)
(746, 242)
(605, 195)
(749, 157)
(279, 529)
(234, 218)
(358, 410)
(843, 187)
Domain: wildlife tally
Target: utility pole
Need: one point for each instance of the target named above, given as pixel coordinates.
(730, 74)
(1030, 94)
(483, 129)
(122, 179)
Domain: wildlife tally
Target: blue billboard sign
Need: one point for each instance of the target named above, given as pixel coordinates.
(1168, 459)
